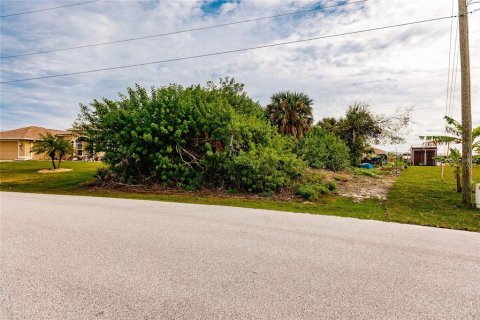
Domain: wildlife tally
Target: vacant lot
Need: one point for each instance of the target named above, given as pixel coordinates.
(418, 196)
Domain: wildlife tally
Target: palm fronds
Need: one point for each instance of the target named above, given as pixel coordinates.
(53, 146)
(440, 140)
(291, 112)
(455, 129)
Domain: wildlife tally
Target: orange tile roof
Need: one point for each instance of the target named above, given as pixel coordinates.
(30, 133)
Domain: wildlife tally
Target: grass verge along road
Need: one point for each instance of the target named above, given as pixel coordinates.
(417, 197)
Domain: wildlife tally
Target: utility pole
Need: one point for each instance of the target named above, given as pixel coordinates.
(466, 104)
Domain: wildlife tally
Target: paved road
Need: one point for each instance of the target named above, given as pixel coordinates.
(66, 257)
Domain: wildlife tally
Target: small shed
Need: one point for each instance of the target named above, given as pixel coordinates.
(423, 155)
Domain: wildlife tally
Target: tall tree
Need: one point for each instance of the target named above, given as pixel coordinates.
(291, 112)
(360, 127)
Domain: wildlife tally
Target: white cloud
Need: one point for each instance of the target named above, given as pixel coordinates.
(402, 66)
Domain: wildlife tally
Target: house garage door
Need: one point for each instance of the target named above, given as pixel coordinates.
(8, 150)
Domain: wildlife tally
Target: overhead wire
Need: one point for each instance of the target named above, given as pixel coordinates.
(183, 31)
(455, 67)
(453, 97)
(449, 64)
(229, 51)
(47, 9)
(454, 73)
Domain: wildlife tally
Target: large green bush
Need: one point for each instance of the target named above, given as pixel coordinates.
(213, 136)
(263, 169)
(323, 150)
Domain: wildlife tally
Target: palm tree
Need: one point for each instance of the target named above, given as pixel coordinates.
(454, 128)
(47, 145)
(53, 146)
(454, 159)
(291, 112)
(63, 147)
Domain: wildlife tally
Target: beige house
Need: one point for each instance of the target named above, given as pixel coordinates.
(17, 144)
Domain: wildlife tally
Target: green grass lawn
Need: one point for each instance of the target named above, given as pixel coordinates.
(23, 177)
(418, 196)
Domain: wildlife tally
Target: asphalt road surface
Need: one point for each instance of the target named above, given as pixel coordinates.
(67, 257)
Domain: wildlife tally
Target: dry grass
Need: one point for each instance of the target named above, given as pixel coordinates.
(58, 170)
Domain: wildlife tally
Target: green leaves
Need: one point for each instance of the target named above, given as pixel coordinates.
(214, 136)
(360, 127)
(439, 140)
(53, 146)
(263, 169)
(322, 150)
(291, 112)
(455, 129)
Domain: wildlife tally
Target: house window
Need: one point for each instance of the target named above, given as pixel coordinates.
(79, 148)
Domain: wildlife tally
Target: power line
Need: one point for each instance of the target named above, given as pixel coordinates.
(230, 51)
(47, 9)
(453, 82)
(454, 85)
(449, 64)
(182, 31)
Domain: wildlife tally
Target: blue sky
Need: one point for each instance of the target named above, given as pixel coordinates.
(390, 68)
(215, 6)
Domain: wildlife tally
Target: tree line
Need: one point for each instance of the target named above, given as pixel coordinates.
(216, 136)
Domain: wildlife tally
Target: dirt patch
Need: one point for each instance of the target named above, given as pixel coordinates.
(348, 184)
(54, 170)
(361, 187)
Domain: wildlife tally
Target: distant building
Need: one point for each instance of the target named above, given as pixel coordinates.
(376, 156)
(379, 152)
(423, 155)
(18, 144)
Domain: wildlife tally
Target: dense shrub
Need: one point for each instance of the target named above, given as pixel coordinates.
(103, 174)
(263, 169)
(307, 192)
(312, 191)
(213, 136)
(323, 150)
(331, 185)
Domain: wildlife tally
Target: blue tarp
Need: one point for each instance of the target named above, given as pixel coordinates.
(366, 166)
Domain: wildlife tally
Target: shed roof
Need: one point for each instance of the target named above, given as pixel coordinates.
(424, 147)
(377, 151)
(30, 133)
